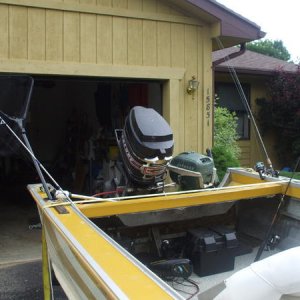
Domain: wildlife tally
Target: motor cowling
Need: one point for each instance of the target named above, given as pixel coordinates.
(193, 171)
(146, 146)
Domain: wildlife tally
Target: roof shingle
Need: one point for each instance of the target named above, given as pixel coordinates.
(251, 62)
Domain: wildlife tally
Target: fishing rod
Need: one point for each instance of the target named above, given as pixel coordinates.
(242, 95)
(276, 215)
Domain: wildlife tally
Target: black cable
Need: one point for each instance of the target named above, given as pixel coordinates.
(275, 217)
(195, 285)
(192, 282)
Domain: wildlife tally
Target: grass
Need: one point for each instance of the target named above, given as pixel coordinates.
(290, 174)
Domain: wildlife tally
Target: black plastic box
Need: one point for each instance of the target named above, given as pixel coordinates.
(211, 250)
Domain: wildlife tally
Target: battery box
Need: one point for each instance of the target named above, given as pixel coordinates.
(212, 250)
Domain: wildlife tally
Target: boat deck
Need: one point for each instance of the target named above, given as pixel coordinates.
(210, 286)
(113, 272)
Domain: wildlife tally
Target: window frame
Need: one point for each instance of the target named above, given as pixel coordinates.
(247, 90)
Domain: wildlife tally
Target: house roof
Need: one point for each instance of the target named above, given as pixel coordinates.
(234, 28)
(249, 62)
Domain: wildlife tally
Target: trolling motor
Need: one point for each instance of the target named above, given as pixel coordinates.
(193, 171)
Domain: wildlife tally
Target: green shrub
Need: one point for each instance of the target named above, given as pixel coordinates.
(223, 160)
(225, 151)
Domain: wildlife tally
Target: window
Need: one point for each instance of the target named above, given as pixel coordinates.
(229, 97)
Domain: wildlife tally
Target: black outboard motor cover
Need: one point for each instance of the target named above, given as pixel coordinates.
(146, 145)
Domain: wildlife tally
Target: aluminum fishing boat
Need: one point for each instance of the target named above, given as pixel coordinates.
(90, 264)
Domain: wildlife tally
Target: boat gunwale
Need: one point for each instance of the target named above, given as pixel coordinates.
(49, 212)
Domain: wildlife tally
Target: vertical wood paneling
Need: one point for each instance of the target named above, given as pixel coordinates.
(71, 1)
(135, 4)
(4, 31)
(191, 103)
(207, 133)
(163, 44)
(54, 29)
(163, 8)
(171, 109)
(149, 43)
(119, 3)
(200, 93)
(54, 35)
(175, 12)
(104, 40)
(190, 44)
(177, 60)
(88, 44)
(245, 147)
(182, 93)
(120, 41)
(135, 42)
(91, 2)
(36, 34)
(71, 36)
(18, 31)
(177, 45)
(149, 5)
(105, 3)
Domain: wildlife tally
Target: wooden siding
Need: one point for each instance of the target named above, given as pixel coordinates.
(117, 38)
(245, 157)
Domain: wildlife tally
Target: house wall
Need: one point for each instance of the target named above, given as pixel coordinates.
(251, 151)
(119, 39)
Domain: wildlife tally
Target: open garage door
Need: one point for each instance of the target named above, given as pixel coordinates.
(71, 124)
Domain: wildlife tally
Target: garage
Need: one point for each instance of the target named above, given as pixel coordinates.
(71, 125)
(91, 61)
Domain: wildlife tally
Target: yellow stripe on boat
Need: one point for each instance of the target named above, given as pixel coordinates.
(233, 193)
(77, 249)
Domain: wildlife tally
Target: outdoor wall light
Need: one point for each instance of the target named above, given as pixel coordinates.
(193, 85)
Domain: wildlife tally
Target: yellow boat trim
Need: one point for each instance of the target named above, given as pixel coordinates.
(59, 251)
(181, 200)
(126, 275)
(123, 270)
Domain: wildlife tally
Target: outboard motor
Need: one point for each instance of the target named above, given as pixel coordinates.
(193, 171)
(146, 146)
